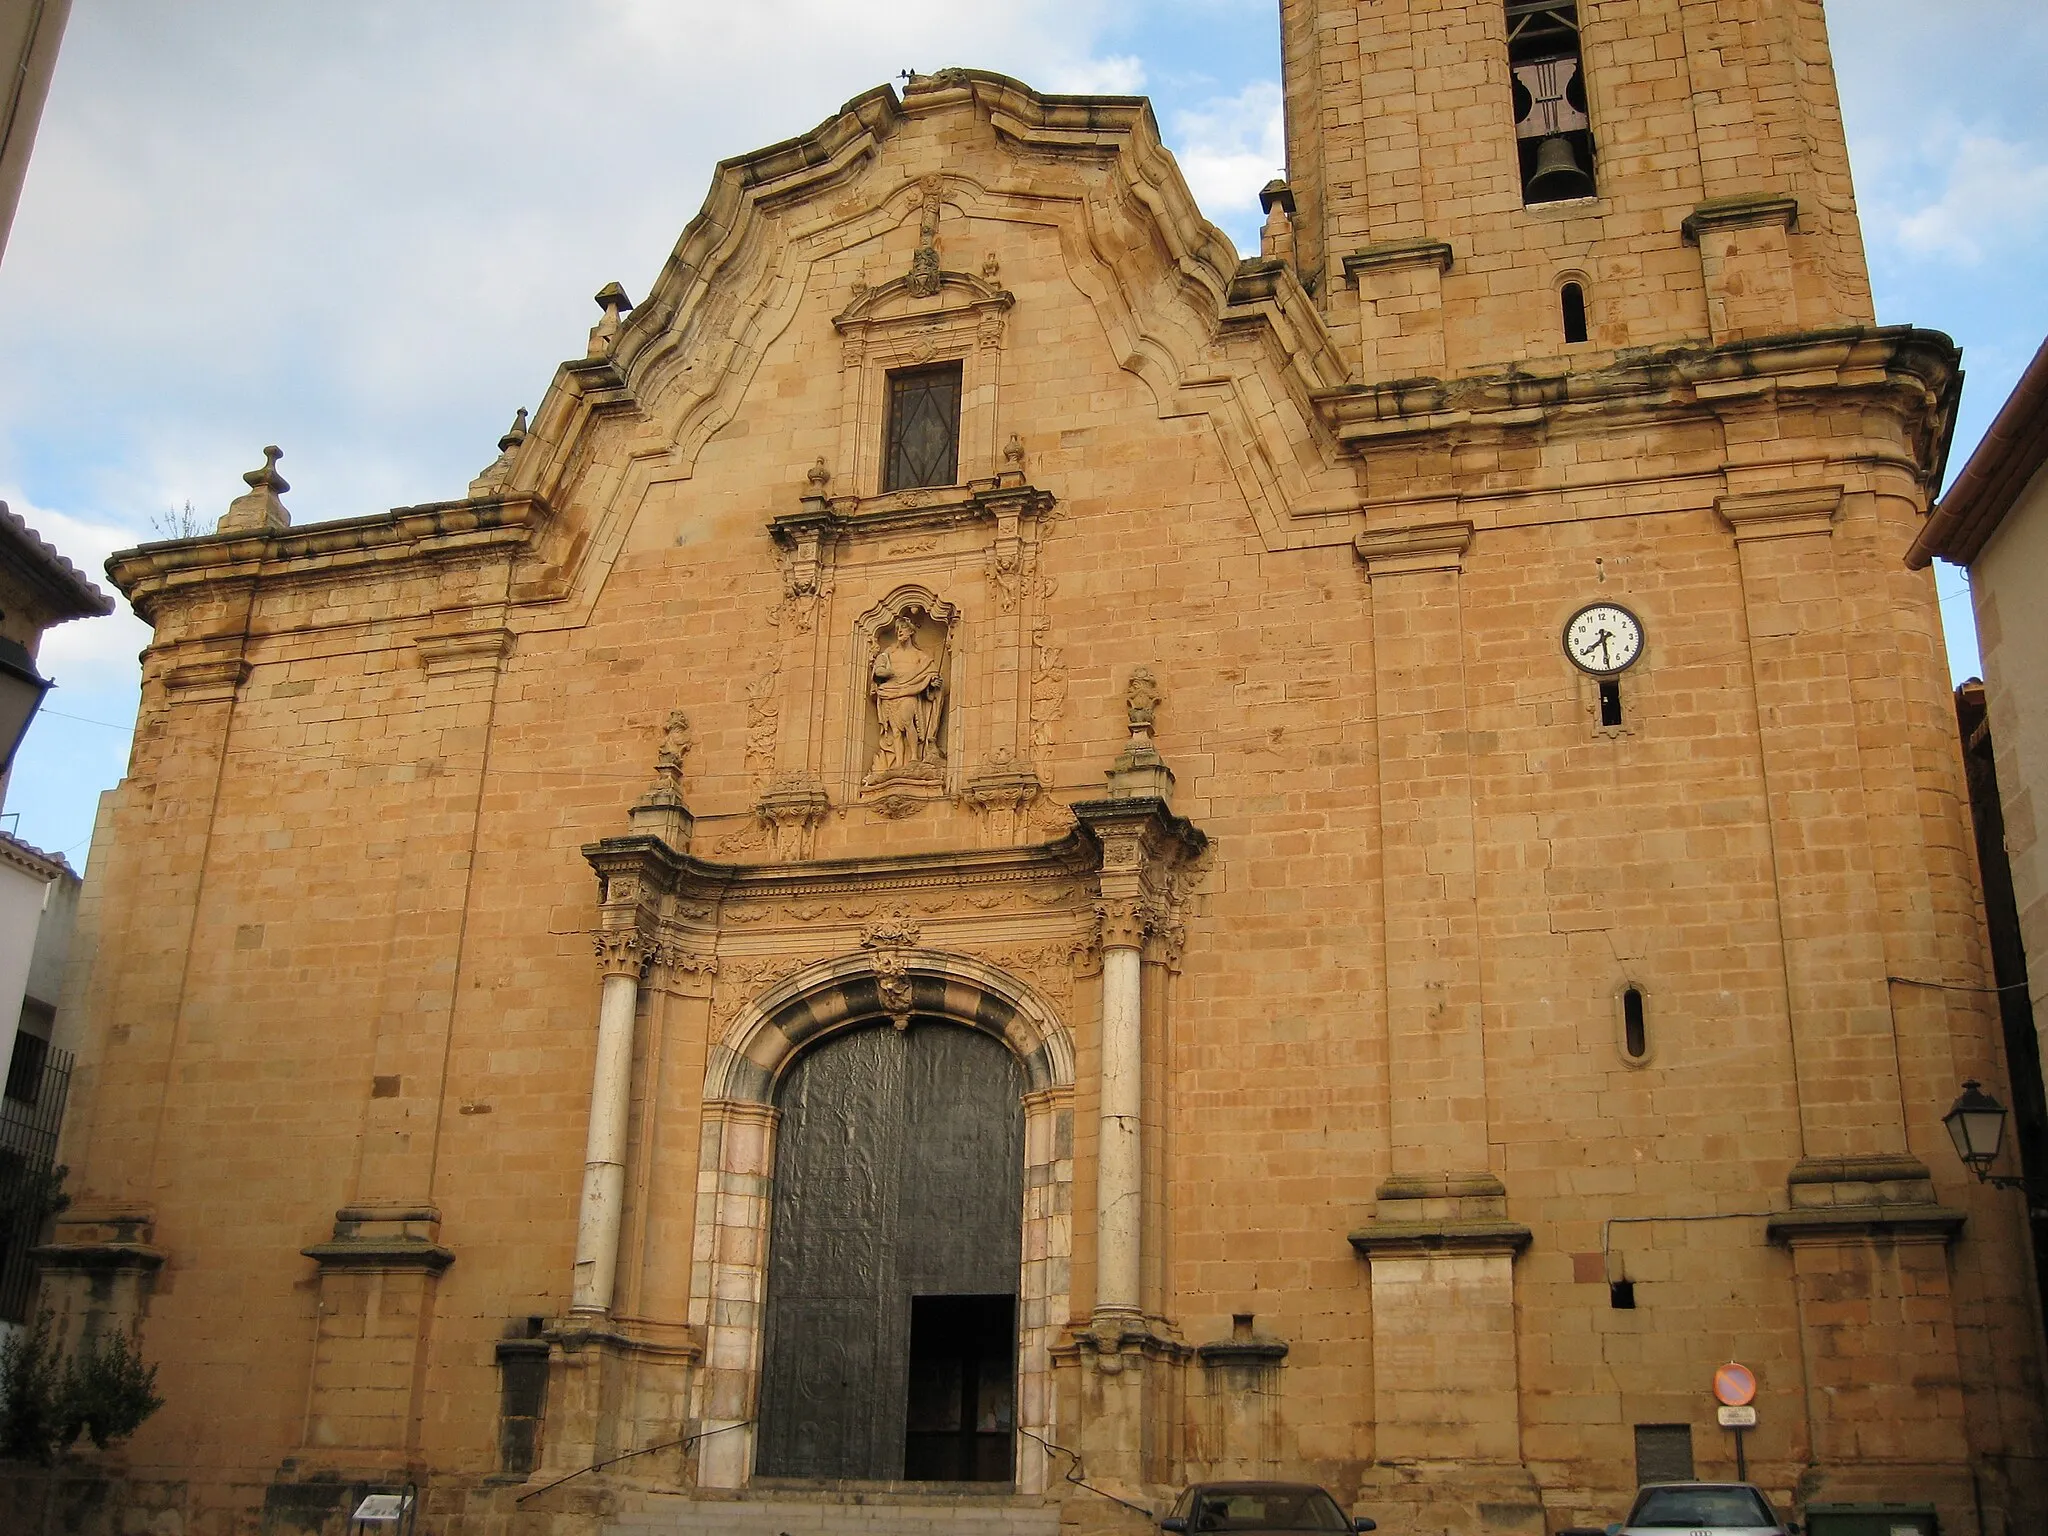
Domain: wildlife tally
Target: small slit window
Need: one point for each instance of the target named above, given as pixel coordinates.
(1572, 299)
(1635, 1032)
(1621, 1295)
(923, 428)
(1610, 701)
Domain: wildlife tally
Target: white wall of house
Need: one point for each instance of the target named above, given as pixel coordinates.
(2009, 590)
(21, 912)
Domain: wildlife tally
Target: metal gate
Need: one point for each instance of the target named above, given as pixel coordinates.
(898, 1174)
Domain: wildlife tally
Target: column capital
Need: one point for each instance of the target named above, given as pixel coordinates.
(1125, 922)
(622, 952)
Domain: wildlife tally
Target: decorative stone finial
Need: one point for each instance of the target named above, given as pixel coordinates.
(498, 472)
(819, 476)
(1141, 702)
(1139, 771)
(1276, 238)
(1013, 453)
(611, 298)
(259, 511)
(991, 269)
(661, 812)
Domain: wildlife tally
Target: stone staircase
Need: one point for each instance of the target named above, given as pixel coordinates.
(804, 1507)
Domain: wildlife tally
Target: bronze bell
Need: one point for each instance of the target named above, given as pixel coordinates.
(1558, 173)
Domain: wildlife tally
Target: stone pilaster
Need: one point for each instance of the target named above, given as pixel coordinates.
(378, 1275)
(1844, 1047)
(1885, 1395)
(1442, 1249)
(1745, 246)
(1446, 1380)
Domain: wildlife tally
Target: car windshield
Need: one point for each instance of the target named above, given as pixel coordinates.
(1701, 1509)
(1266, 1509)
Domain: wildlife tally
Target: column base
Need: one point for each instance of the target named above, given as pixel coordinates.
(616, 1387)
(1120, 1383)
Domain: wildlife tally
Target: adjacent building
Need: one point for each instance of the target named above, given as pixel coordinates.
(1347, 865)
(1994, 522)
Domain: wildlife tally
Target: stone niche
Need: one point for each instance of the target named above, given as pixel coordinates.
(907, 741)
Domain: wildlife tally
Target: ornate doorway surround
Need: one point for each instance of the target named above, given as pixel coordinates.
(729, 1276)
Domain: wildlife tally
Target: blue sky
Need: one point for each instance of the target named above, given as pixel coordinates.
(367, 232)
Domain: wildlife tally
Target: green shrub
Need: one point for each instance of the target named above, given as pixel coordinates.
(103, 1391)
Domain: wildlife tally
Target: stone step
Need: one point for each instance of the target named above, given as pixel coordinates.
(791, 1507)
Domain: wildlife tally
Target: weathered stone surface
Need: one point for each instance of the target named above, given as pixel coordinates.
(392, 778)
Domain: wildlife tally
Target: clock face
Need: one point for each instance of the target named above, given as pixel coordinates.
(1603, 638)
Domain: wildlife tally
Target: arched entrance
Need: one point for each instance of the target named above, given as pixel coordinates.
(891, 1333)
(761, 1050)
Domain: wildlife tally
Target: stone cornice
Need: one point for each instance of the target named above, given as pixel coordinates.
(845, 517)
(433, 534)
(1406, 1239)
(1780, 514)
(1423, 547)
(384, 1253)
(1831, 1223)
(133, 1256)
(650, 859)
(1397, 253)
(1746, 211)
(1915, 371)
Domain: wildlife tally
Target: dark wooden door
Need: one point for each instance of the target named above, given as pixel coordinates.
(898, 1173)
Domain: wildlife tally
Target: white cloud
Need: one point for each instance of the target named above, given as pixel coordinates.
(1995, 197)
(1229, 148)
(1116, 75)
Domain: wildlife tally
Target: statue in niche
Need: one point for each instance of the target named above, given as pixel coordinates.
(908, 691)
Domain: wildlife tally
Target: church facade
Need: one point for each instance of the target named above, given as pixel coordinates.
(1008, 858)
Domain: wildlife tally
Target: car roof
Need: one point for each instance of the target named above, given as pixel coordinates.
(1247, 1487)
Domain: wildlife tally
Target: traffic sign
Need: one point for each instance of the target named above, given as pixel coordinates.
(1735, 1385)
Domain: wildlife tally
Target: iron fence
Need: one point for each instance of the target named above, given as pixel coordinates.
(31, 1111)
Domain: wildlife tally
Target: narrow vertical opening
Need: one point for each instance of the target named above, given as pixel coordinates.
(1553, 133)
(1574, 302)
(1610, 701)
(1621, 1295)
(1635, 1035)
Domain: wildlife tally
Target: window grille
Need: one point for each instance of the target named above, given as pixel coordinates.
(924, 428)
(28, 1181)
(1663, 1453)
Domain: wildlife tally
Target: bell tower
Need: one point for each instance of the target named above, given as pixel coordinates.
(1481, 183)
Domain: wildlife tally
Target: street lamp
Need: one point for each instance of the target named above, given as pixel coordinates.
(1977, 1125)
(21, 694)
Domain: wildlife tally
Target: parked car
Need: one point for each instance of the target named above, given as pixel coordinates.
(1258, 1507)
(1698, 1508)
